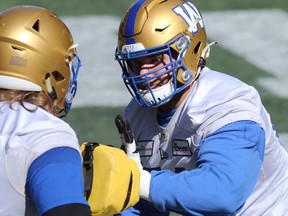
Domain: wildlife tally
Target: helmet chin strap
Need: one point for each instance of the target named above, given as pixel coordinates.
(205, 54)
(206, 51)
(68, 56)
(50, 89)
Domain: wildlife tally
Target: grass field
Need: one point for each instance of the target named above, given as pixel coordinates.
(97, 122)
(117, 7)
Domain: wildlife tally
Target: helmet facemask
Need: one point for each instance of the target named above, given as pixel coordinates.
(153, 97)
(74, 65)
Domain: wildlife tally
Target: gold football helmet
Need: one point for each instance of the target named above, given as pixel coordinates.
(38, 54)
(152, 27)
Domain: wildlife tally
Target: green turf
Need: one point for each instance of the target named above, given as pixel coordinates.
(229, 63)
(95, 124)
(118, 7)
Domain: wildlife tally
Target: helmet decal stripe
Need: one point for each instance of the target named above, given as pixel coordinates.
(129, 30)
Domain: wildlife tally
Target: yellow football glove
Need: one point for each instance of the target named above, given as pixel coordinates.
(111, 179)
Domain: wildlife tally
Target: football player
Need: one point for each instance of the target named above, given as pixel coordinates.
(41, 170)
(40, 161)
(206, 143)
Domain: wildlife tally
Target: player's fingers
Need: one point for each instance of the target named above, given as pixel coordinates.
(119, 121)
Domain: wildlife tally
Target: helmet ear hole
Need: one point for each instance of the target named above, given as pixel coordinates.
(196, 49)
(57, 76)
(36, 26)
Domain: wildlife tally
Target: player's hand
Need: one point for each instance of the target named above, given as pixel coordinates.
(108, 172)
(129, 146)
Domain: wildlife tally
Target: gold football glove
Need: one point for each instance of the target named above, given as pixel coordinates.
(112, 180)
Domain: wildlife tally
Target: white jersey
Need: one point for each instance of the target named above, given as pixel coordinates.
(24, 136)
(214, 101)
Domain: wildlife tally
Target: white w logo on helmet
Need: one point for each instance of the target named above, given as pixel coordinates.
(190, 14)
(133, 47)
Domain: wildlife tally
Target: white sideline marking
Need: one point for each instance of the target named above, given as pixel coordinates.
(260, 37)
(99, 82)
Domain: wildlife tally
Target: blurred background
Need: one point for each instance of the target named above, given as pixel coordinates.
(253, 41)
(253, 46)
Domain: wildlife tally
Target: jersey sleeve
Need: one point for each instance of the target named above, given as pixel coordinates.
(55, 179)
(228, 165)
